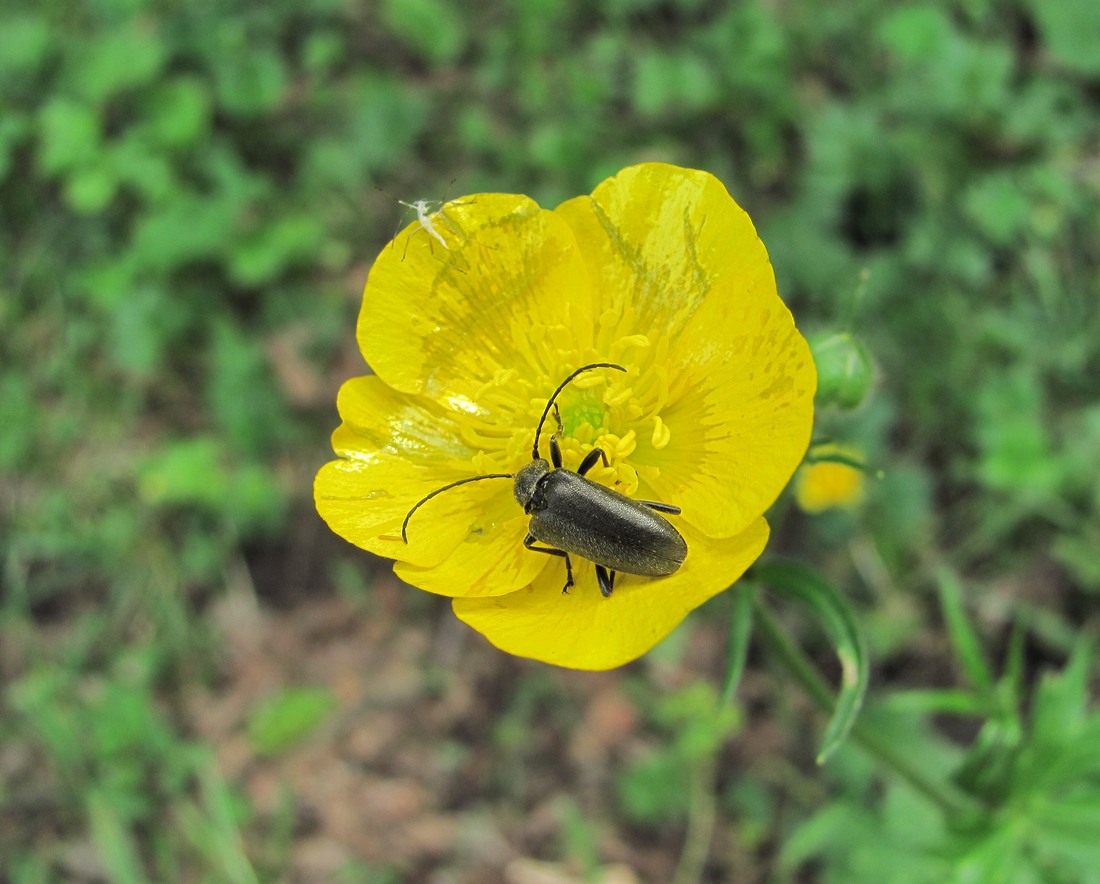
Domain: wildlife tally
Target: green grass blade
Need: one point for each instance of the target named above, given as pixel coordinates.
(114, 841)
(832, 611)
(965, 640)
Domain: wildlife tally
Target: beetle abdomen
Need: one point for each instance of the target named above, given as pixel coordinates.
(605, 527)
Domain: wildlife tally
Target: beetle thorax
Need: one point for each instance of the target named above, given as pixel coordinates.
(527, 480)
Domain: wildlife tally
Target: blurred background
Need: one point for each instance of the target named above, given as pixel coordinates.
(201, 683)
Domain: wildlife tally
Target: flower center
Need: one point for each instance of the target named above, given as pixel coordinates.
(619, 413)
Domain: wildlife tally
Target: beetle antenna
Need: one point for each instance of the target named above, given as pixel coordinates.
(561, 386)
(424, 500)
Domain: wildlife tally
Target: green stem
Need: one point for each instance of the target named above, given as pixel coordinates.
(947, 799)
(702, 810)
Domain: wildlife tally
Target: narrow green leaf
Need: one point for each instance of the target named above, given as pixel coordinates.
(114, 842)
(963, 637)
(740, 633)
(227, 847)
(804, 585)
(940, 701)
(1061, 700)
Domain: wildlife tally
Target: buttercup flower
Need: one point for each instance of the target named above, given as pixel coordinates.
(829, 484)
(659, 271)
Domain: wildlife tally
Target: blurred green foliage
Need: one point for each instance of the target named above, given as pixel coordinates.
(191, 195)
(288, 717)
(1032, 770)
(655, 787)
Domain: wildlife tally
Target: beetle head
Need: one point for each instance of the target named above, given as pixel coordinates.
(527, 480)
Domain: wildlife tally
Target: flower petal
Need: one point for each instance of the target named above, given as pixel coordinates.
(741, 413)
(583, 630)
(395, 449)
(681, 262)
(443, 321)
(486, 562)
(657, 237)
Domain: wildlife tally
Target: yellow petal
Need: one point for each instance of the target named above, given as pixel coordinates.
(743, 416)
(656, 238)
(394, 450)
(443, 321)
(675, 258)
(582, 630)
(486, 562)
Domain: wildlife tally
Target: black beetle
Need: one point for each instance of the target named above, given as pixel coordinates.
(575, 515)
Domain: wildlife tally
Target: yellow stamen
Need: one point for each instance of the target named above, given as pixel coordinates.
(661, 433)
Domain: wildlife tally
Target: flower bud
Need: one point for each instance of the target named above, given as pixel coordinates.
(844, 369)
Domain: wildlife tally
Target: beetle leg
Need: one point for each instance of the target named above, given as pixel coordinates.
(590, 461)
(555, 446)
(606, 580)
(529, 542)
(557, 419)
(555, 452)
(669, 508)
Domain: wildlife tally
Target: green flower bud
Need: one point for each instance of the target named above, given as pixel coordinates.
(844, 369)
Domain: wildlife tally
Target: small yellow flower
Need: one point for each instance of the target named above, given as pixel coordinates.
(658, 270)
(827, 484)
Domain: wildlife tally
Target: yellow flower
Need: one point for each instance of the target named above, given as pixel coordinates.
(469, 332)
(828, 484)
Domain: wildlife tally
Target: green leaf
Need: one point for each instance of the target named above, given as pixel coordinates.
(178, 111)
(1061, 702)
(917, 32)
(279, 243)
(212, 826)
(24, 44)
(322, 51)
(69, 134)
(1014, 436)
(289, 717)
(653, 789)
(997, 857)
(433, 28)
(699, 722)
(256, 503)
(1077, 553)
(740, 633)
(90, 189)
(672, 83)
(188, 228)
(241, 393)
(1070, 29)
(835, 615)
(249, 80)
(999, 206)
(384, 118)
(114, 842)
(939, 702)
(966, 642)
(188, 471)
(1073, 816)
(118, 59)
(140, 165)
